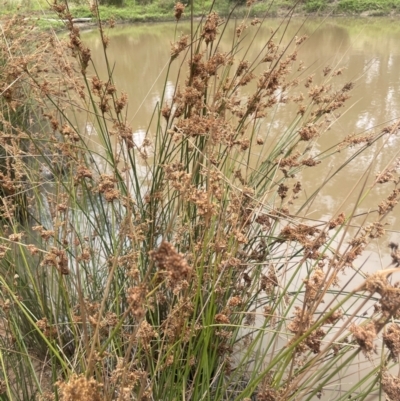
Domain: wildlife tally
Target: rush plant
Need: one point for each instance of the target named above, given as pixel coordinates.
(183, 267)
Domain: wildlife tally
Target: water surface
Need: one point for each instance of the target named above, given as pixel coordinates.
(367, 50)
(369, 53)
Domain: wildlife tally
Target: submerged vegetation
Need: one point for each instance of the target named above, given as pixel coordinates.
(183, 266)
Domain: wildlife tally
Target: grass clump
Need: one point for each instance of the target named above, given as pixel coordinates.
(182, 266)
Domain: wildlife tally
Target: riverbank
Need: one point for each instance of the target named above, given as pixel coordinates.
(161, 10)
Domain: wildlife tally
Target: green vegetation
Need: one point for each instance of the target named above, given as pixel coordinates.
(162, 10)
(358, 6)
(372, 7)
(182, 265)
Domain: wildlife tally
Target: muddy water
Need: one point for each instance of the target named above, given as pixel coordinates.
(369, 52)
(367, 49)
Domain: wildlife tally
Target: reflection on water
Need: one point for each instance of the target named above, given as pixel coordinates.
(369, 53)
(367, 50)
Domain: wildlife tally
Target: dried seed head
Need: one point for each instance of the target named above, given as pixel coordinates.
(300, 323)
(300, 40)
(107, 187)
(297, 187)
(269, 281)
(234, 301)
(179, 9)
(377, 282)
(82, 172)
(221, 318)
(313, 341)
(283, 190)
(338, 221)
(58, 259)
(389, 203)
(391, 386)
(80, 388)
(210, 27)
(391, 338)
(171, 262)
(136, 297)
(365, 336)
(145, 334)
(334, 317)
(314, 285)
(49, 331)
(308, 132)
(15, 237)
(179, 46)
(240, 29)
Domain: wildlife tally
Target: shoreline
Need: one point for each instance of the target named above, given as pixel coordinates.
(142, 14)
(85, 24)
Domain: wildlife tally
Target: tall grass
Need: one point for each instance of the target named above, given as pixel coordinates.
(182, 267)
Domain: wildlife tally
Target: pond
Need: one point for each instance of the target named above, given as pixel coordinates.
(366, 49)
(367, 54)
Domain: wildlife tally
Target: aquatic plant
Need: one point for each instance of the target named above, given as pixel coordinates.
(182, 267)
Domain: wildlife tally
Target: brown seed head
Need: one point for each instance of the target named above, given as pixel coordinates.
(210, 27)
(391, 338)
(179, 9)
(171, 262)
(365, 336)
(391, 386)
(80, 388)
